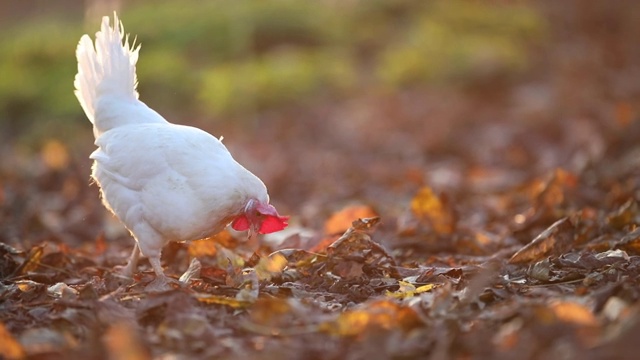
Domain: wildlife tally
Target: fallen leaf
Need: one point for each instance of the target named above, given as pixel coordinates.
(123, 343)
(434, 209)
(625, 215)
(574, 313)
(556, 239)
(270, 266)
(32, 260)
(384, 314)
(356, 245)
(208, 246)
(630, 242)
(10, 348)
(342, 220)
(55, 155)
(408, 290)
(273, 312)
(223, 300)
(551, 192)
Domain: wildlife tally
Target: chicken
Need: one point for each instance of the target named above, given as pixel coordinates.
(164, 182)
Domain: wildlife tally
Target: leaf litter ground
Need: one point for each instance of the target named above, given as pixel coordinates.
(479, 223)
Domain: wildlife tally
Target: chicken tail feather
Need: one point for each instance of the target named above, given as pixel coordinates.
(106, 70)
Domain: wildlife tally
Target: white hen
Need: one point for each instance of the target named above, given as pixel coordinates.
(165, 182)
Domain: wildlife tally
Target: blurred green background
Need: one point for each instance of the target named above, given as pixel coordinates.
(230, 60)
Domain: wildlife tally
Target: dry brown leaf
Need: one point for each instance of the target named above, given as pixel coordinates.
(10, 348)
(32, 261)
(551, 192)
(625, 215)
(340, 221)
(630, 242)
(556, 239)
(428, 206)
(356, 245)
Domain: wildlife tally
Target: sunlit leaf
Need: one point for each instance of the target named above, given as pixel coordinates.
(556, 239)
(385, 314)
(27, 285)
(55, 155)
(32, 261)
(574, 313)
(432, 208)
(10, 348)
(340, 221)
(630, 242)
(208, 246)
(228, 258)
(407, 290)
(202, 247)
(627, 214)
(365, 224)
(551, 192)
(272, 311)
(356, 245)
(223, 300)
(270, 266)
(300, 258)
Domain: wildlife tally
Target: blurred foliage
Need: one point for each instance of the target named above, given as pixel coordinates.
(217, 58)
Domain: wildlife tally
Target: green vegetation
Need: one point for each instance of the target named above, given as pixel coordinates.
(216, 58)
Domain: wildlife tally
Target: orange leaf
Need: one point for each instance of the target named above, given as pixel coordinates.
(556, 239)
(384, 314)
(273, 312)
(222, 300)
(340, 221)
(55, 155)
(207, 246)
(123, 342)
(574, 313)
(10, 348)
(202, 247)
(32, 261)
(272, 265)
(431, 207)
